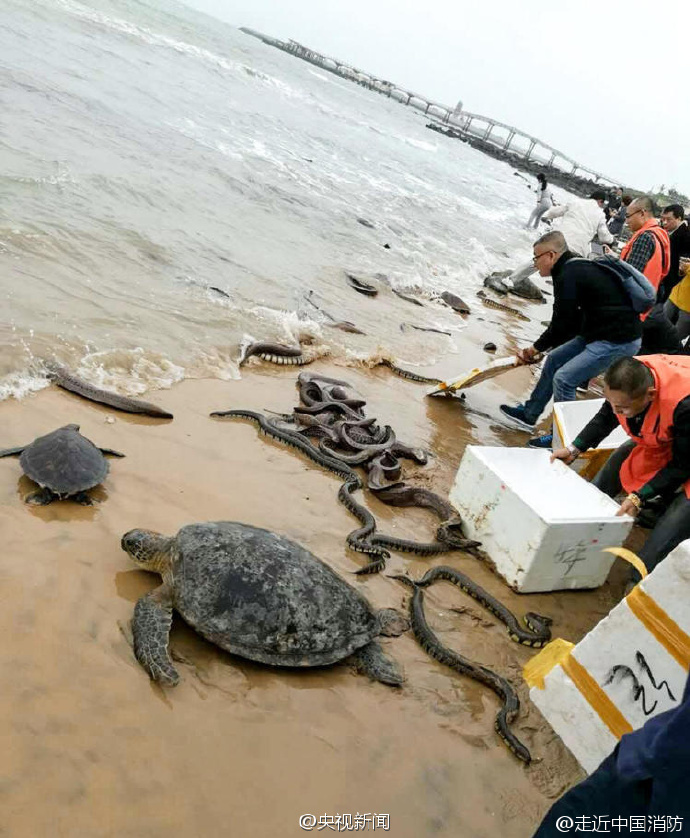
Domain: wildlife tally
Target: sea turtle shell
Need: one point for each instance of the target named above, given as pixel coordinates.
(64, 461)
(264, 597)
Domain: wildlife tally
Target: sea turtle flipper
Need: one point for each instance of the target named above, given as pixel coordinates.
(372, 661)
(83, 499)
(110, 452)
(41, 498)
(8, 452)
(151, 631)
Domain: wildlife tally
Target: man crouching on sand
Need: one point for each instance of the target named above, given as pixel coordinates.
(650, 398)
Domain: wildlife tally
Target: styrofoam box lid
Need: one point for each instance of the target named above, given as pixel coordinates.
(555, 492)
(573, 416)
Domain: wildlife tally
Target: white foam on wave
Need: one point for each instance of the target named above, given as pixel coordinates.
(319, 76)
(129, 371)
(17, 385)
(420, 144)
(290, 324)
(125, 27)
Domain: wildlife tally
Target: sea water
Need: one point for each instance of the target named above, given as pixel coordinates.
(173, 188)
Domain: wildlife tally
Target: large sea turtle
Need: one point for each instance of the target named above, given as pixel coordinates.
(64, 463)
(257, 595)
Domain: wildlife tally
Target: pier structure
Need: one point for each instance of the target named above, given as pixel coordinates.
(486, 132)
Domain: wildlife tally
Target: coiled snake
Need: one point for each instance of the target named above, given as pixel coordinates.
(363, 442)
(357, 540)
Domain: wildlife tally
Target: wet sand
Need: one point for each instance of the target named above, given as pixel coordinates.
(92, 748)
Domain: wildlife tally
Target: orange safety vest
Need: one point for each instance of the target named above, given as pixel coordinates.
(658, 265)
(654, 447)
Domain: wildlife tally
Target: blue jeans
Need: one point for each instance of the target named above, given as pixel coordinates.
(569, 365)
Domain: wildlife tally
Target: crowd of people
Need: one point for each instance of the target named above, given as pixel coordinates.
(596, 329)
(645, 360)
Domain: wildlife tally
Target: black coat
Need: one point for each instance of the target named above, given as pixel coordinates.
(588, 302)
(680, 246)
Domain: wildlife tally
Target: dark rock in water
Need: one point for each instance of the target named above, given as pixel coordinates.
(362, 287)
(494, 282)
(406, 297)
(489, 347)
(365, 223)
(404, 326)
(346, 326)
(455, 302)
(219, 291)
(387, 246)
(526, 289)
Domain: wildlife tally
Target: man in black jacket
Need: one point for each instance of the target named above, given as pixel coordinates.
(673, 221)
(674, 288)
(593, 324)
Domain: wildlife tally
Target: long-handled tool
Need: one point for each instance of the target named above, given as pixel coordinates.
(475, 376)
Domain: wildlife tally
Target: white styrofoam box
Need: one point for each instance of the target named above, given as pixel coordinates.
(569, 419)
(618, 641)
(543, 526)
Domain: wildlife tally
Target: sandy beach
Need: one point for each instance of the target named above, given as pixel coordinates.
(93, 748)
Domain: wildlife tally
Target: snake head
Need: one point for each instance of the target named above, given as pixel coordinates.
(540, 618)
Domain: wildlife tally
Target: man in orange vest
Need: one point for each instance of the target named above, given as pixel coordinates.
(650, 398)
(649, 250)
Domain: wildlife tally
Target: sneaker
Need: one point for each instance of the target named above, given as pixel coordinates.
(544, 441)
(517, 415)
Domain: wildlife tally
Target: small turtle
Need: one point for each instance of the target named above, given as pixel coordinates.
(257, 595)
(64, 463)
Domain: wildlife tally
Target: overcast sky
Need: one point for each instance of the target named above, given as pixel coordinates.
(604, 82)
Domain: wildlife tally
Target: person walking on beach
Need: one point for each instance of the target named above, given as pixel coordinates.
(617, 219)
(649, 397)
(580, 221)
(613, 202)
(544, 202)
(593, 324)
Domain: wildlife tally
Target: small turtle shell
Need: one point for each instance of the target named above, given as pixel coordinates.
(64, 461)
(262, 596)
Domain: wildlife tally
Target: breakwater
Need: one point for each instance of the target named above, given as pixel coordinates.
(498, 139)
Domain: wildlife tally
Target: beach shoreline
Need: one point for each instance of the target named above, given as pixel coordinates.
(116, 755)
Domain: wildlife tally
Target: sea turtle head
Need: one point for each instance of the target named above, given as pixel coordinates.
(147, 549)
